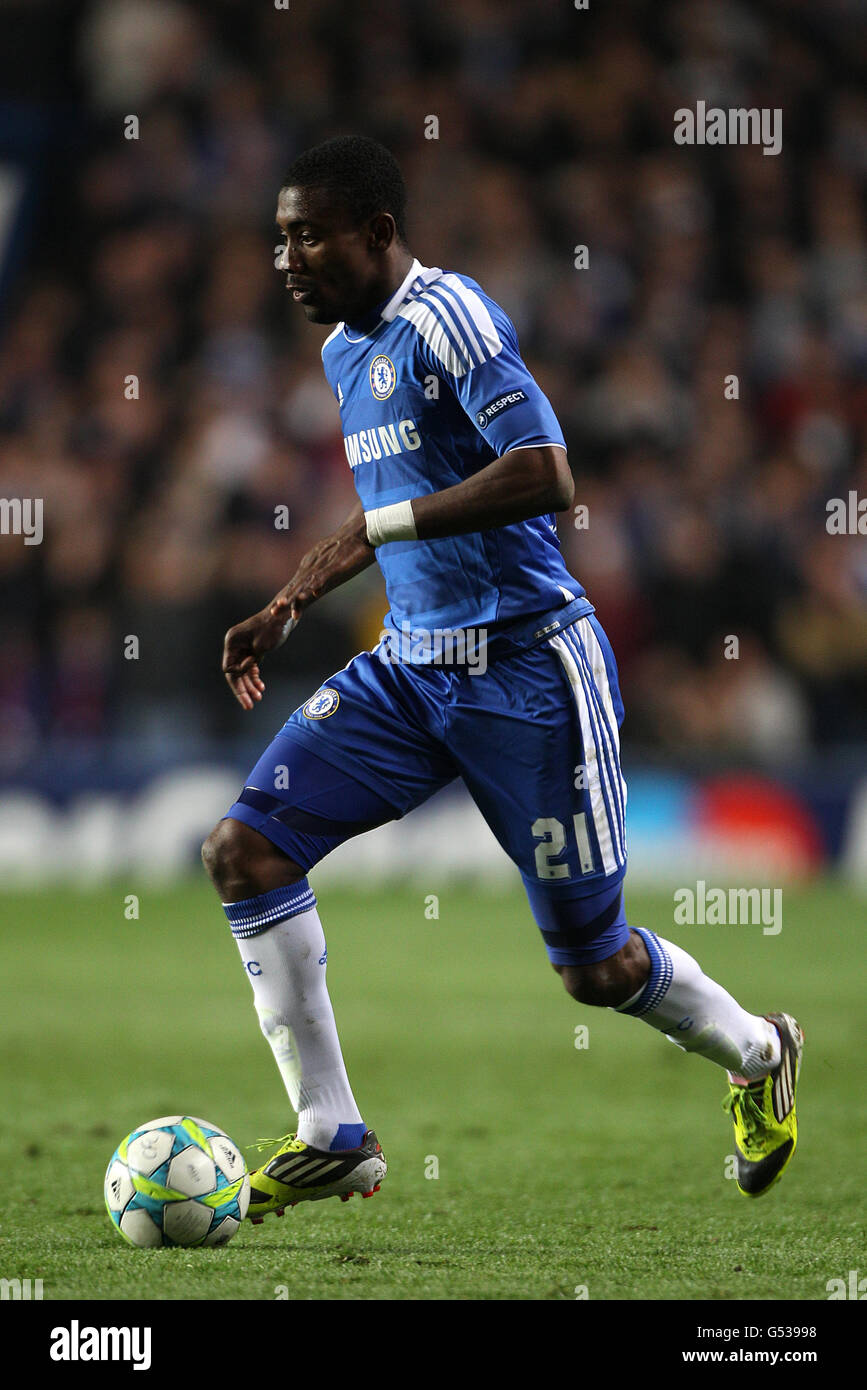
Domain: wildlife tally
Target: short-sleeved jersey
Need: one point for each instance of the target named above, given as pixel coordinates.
(428, 396)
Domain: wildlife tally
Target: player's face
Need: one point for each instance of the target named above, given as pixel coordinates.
(330, 263)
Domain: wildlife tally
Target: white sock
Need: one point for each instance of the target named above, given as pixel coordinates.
(286, 964)
(699, 1015)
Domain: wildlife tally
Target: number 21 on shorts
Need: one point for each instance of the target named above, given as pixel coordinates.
(552, 841)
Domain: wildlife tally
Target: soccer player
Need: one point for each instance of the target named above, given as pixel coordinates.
(493, 668)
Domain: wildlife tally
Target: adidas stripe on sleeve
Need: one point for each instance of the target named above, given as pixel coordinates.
(471, 344)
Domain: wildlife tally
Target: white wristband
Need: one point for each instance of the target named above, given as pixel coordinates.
(394, 523)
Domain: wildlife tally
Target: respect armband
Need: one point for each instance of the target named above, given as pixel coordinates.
(394, 523)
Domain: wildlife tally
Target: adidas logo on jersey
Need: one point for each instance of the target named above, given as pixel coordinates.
(381, 442)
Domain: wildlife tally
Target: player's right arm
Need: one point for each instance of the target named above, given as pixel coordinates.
(340, 556)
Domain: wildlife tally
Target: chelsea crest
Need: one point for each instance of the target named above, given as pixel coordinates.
(382, 377)
(323, 703)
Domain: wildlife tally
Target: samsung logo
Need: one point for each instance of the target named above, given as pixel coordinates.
(381, 442)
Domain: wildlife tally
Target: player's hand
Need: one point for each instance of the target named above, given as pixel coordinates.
(245, 645)
(330, 562)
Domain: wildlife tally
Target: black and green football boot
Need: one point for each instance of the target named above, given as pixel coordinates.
(299, 1173)
(763, 1111)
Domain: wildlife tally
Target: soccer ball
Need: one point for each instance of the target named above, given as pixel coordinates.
(177, 1181)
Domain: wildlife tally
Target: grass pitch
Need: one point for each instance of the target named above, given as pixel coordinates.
(560, 1168)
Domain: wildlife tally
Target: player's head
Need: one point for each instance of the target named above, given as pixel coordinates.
(342, 207)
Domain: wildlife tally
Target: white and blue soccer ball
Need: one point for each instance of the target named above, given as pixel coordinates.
(177, 1181)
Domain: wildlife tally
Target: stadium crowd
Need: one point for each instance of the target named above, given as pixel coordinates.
(153, 258)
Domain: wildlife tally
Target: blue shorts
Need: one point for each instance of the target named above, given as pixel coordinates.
(533, 732)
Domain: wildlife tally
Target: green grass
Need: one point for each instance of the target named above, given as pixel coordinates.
(558, 1167)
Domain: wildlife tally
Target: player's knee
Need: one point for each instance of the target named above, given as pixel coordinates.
(222, 853)
(242, 863)
(583, 984)
(605, 983)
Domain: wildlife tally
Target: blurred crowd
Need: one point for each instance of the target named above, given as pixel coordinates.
(153, 258)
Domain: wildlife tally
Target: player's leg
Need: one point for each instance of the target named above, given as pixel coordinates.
(761, 1054)
(652, 979)
(274, 917)
(558, 808)
(299, 803)
(657, 981)
(241, 863)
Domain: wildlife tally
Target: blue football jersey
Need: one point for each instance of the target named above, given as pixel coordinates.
(430, 394)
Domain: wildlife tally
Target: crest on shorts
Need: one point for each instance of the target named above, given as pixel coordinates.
(320, 705)
(382, 377)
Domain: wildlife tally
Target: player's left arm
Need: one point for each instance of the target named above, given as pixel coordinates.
(480, 362)
(528, 481)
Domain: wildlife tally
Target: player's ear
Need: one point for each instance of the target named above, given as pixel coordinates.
(382, 231)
